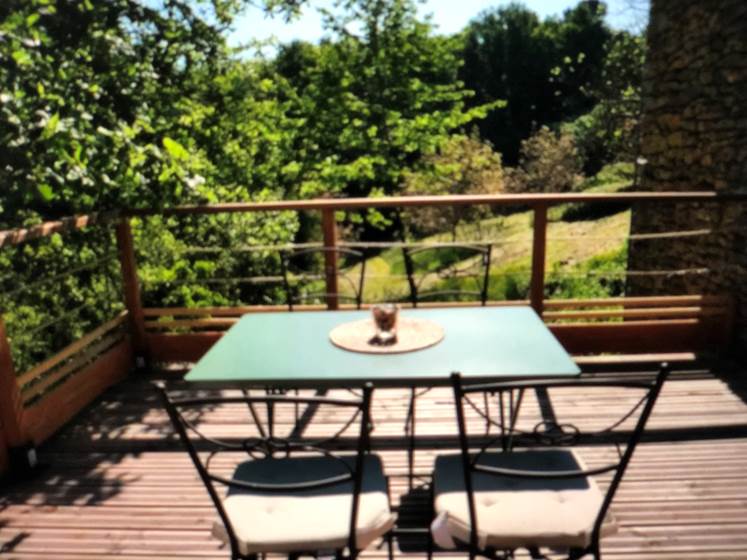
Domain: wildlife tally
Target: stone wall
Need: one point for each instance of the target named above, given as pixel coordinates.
(694, 137)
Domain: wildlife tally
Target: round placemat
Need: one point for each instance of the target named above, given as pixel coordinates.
(412, 334)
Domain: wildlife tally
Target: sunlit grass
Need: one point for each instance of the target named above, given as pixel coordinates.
(575, 247)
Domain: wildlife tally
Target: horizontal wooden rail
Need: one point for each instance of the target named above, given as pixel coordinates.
(213, 311)
(30, 392)
(695, 301)
(452, 200)
(628, 337)
(21, 235)
(633, 326)
(642, 301)
(645, 313)
(78, 346)
(47, 415)
(212, 323)
(653, 359)
(226, 322)
(242, 310)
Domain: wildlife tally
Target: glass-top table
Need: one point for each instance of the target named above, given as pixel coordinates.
(293, 350)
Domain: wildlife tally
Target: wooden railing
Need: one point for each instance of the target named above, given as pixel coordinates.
(650, 324)
(538, 203)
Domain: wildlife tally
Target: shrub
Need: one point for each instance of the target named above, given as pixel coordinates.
(549, 162)
(599, 277)
(464, 165)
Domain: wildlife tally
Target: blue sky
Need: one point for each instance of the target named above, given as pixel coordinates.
(449, 16)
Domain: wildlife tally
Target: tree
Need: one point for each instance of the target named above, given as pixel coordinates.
(120, 103)
(507, 57)
(545, 70)
(105, 104)
(549, 163)
(78, 116)
(581, 40)
(610, 131)
(374, 99)
(463, 165)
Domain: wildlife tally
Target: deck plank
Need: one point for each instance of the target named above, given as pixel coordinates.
(117, 486)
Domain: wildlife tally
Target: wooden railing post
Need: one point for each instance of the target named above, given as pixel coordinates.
(329, 230)
(539, 251)
(11, 405)
(131, 288)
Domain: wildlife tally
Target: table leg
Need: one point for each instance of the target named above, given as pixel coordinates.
(508, 418)
(410, 433)
(514, 408)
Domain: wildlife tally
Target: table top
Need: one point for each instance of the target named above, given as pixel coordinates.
(293, 350)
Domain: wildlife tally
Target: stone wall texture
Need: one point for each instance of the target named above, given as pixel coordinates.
(694, 137)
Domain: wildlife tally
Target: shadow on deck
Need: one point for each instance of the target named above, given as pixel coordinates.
(116, 483)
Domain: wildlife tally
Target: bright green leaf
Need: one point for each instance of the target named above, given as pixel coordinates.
(45, 191)
(175, 149)
(52, 126)
(21, 57)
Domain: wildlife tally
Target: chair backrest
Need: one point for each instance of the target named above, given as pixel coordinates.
(609, 419)
(448, 272)
(261, 441)
(305, 270)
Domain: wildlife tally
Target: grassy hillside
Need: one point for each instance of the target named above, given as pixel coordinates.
(586, 252)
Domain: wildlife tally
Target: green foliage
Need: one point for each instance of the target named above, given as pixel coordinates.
(116, 104)
(124, 104)
(372, 102)
(463, 165)
(599, 277)
(609, 132)
(120, 103)
(547, 71)
(610, 178)
(88, 100)
(55, 290)
(204, 261)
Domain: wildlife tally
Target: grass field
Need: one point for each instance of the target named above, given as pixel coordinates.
(586, 253)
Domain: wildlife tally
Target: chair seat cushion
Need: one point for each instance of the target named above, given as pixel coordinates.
(519, 512)
(305, 520)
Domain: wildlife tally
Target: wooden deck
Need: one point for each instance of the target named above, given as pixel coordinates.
(114, 486)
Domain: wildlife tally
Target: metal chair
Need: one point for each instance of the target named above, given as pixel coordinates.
(469, 263)
(280, 492)
(529, 488)
(297, 281)
(302, 270)
(420, 273)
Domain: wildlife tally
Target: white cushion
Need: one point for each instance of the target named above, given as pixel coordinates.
(305, 520)
(519, 512)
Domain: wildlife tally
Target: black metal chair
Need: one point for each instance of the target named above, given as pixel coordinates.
(465, 263)
(305, 269)
(421, 276)
(529, 488)
(277, 491)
